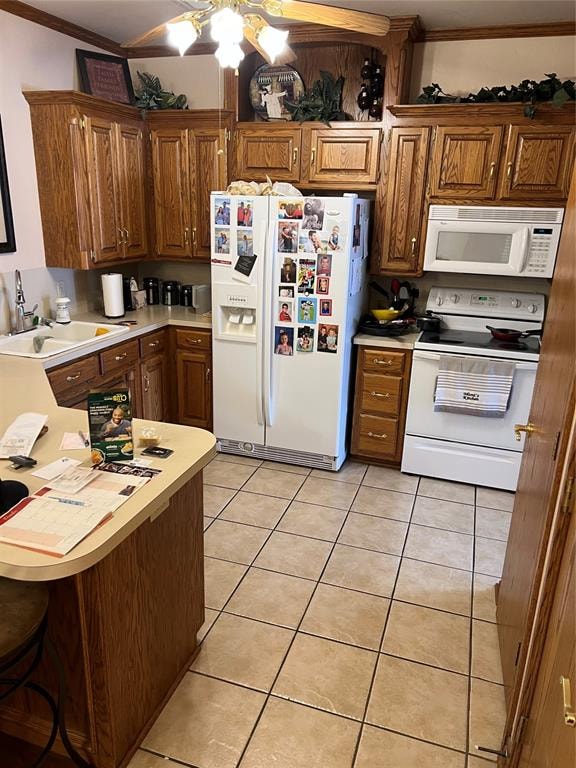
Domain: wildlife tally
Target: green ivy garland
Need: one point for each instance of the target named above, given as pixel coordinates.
(528, 92)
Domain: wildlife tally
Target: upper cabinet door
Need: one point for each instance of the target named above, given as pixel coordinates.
(172, 199)
(538, 163)
(133, 181)
(402, 217)
(262, 152)
(209, 159)
(465, 162)
(345, 156)
(104, 190)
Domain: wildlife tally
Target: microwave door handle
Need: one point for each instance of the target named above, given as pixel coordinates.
(520, 264)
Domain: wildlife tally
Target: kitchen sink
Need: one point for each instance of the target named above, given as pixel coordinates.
(45, 342)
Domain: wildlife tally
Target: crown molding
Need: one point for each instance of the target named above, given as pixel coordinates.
(552, 29)
(28, 12)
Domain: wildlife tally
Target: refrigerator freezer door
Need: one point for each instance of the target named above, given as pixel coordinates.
(306, 398)
(239, 247)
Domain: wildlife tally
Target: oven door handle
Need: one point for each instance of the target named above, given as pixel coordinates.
(422, 355)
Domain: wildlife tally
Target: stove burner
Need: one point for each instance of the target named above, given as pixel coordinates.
(511, 345)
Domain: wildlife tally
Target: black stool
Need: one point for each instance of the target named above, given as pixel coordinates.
(23, 622)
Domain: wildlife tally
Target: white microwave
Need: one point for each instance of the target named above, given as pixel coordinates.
(486, 240)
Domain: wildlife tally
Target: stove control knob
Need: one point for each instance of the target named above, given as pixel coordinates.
(439, 300)
(454, 298)
(532, 307)
(516, 303)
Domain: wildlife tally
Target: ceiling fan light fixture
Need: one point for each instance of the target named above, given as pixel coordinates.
(272, 40)
(182, 34)
(229, 55)
(227, 26)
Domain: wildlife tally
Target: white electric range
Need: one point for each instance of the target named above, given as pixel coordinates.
(471, 449)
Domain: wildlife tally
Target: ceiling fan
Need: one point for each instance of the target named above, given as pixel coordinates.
(229, 24)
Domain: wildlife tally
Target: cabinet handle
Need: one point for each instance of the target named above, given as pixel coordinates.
(492, 169)
(380, 394)
(73, 378)
(121, 233)
(509, 170)
(294, 155)
(413, 248)
(153, 343)
(313, 158)
(194, 236)
(146, 383)
(126, 235)
(186, 230)
(208, 374)
(377, 436)
(121, 357)
(382, 362)
(569, 713)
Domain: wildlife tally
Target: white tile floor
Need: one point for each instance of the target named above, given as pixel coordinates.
(350, 623)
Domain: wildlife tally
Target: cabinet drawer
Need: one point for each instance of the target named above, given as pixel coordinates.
(73, 376)
(382, 361)
(380, 394)
(153, 344)
(192, 339)
(376, 435)
(119, 357)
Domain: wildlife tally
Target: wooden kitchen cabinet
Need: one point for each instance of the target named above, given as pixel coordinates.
(172, 198)
(380, 400)
(154, 376)
(189, 160)
(465, 162)
(538, 163)
(403, 211)
(90, 163)
(336, 157)
(262, 151)
(194, 378)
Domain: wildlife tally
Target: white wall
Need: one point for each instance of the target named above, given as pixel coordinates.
(31, 58)
(460, 67)
(199, 77)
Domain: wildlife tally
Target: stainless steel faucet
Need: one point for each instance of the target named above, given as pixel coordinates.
(20, 302)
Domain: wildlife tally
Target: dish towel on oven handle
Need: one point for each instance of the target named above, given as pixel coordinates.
(474, 386)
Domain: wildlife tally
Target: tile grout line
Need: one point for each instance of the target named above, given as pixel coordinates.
(387, 619)
(269, 694)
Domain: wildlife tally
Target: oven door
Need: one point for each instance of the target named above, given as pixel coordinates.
(479, 248)
(423, 421)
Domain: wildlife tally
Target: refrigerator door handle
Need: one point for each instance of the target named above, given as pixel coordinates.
(267, 310)
(260, 325)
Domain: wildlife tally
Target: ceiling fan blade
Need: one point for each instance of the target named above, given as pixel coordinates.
(285, 57)
(315, 13)
(152, 34)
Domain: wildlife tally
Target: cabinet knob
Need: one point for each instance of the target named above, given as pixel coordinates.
(569, 713)
(313, 157)
(294, 155)
(186, 230)
(126, 235)
(208, 372)
(194, 236)
(492, 169)
(121, 233)
(153, 343)
(528, 428)
(413, 248)
(146, 383)
(509, 170)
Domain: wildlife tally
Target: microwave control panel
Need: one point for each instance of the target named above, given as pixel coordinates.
(543, 244)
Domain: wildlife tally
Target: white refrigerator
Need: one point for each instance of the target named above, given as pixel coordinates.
(287, 291)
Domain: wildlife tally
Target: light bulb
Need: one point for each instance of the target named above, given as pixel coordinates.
(229, 55)
(182, 34)
(227, 27)
(273, 41)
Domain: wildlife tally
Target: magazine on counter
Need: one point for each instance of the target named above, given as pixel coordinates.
(110, 422)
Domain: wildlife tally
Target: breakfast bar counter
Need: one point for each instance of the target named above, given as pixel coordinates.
(127, 602)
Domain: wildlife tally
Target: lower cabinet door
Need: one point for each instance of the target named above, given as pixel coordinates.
(194, 389)
(154, 391)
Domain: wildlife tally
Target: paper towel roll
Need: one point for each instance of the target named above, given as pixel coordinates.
(113, 295)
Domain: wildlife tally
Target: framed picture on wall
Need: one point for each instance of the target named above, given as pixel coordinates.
(7, 239)
(107, 77)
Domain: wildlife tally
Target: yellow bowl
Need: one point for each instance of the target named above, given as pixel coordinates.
(385, 314)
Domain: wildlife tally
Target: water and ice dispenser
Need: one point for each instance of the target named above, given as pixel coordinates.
(234, 314)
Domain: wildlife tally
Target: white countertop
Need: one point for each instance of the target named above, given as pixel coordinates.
(392, 342)
(152, 318)
(25, 387)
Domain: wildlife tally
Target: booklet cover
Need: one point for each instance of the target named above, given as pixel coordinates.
(110, 420)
